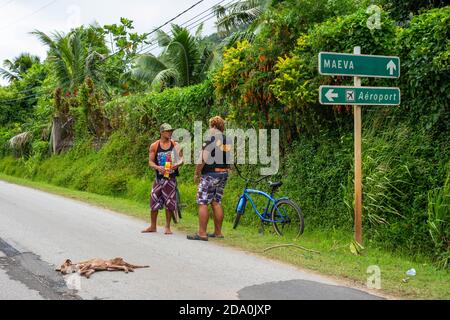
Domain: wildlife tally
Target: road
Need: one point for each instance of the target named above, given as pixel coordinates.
(39, 231)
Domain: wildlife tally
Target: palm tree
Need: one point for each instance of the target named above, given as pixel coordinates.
(181, 63)
(238, 16)
(75, 59)
(159, 71)
(74, 56)
(15, 69)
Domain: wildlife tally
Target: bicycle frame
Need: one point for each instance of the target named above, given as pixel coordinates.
(271, 202)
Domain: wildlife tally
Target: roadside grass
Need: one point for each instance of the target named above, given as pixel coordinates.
(335, 259)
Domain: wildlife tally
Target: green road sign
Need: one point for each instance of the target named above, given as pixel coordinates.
(359, 96)
(342, 64)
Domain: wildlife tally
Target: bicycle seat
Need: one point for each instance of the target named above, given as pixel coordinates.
(276, 185)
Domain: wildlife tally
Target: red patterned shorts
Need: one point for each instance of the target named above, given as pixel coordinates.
(164, 195)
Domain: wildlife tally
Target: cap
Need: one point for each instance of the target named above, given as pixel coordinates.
(166, 127)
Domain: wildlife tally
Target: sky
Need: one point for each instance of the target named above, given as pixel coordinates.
(19, 17)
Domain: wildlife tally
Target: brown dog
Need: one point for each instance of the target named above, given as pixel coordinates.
(87, 268)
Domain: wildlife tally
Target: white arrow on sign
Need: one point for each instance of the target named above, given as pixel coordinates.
(391, 67)
(331, 95)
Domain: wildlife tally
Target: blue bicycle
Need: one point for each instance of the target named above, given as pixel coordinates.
(284, 214)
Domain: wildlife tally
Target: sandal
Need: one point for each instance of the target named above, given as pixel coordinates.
(212, 235)
(196, 237)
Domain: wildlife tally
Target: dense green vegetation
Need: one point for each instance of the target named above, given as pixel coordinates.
(266, 77)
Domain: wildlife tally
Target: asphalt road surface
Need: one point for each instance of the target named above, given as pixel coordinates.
(39, 231)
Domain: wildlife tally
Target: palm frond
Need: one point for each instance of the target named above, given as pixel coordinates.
(8, 75)
(147, 67)
(239, 15)
(79, 56)
(199, 31)
(165, 77)
(163, 38)
(63, 63)
(231, 40)
(207, 61)
(220, 11)
(8, 64)
(20, 141)
(71, 55)
(179, 53)
(178, 63)
(44, 38)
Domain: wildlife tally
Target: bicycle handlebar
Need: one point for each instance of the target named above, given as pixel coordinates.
(248, 180)
(262, 179)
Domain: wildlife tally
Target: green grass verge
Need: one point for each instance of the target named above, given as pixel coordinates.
(335, 258)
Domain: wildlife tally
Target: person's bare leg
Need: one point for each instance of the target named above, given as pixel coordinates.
(153, 226)
(203, 216)
(168, 231)
(218, 218)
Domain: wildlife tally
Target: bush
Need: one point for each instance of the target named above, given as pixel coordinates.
(320, 165)
(120, 167)
(439, 222)
(399, 167)
(41, 148)
(403, 10)
(5, 135)
(178, 106)
(298, 79)
(248, 70)
(425, 52)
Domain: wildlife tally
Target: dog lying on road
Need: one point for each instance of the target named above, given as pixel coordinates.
(87, 268)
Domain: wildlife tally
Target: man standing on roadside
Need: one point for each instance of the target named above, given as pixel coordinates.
(212, 174)
(165, 158)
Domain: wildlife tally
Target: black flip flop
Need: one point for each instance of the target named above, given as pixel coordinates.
(196, 237)
(212, 235)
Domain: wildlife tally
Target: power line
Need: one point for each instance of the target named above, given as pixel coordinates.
(202, 20)
(166, 23)
(23, 98)
(163, 25)
(195, 24)
(153, 46)
(29, 15)
(38, 93)
(6, 3)
(201, 13)
(113, 54)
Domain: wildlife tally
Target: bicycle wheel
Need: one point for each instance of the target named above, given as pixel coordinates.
(287, 219)
(240, 210)
(237, 220)
(176, 215)
(179, 204)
